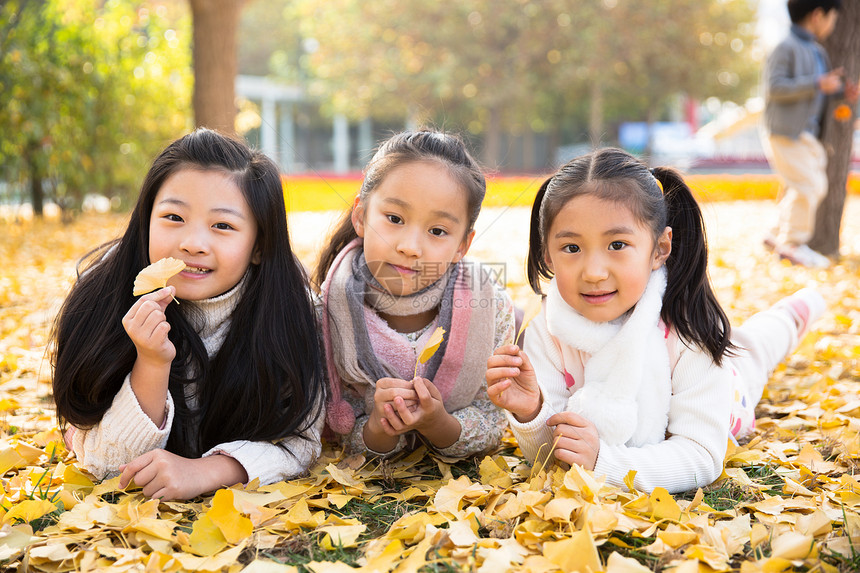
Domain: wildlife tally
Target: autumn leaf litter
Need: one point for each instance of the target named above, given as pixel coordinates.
(788, 501)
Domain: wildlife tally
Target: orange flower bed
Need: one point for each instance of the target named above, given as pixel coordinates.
(330, 192)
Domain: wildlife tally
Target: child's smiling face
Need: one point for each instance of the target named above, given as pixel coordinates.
(202, 218)
(414, 225)
(602, 256)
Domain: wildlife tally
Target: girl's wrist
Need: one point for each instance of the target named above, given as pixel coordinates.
(375, 438)
(148, 360)
(526, 416)
(442, 432)
(149, 382)
(223, 471)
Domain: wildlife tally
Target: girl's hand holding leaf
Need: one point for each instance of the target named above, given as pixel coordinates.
(379, 435)
(576, 439)
(512, 384)
(147, 326)
(430, 419)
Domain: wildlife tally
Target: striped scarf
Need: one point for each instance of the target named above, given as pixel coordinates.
(357, 358)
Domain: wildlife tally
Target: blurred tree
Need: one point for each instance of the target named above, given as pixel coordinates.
(450, 62)
(362, 64)
(89, 96)
(843, 47)
(522, 65)
(215, 26)
(684, 47)
(32, 74)
(269, 41)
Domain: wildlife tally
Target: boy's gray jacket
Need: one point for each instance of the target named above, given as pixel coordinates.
(791, 83)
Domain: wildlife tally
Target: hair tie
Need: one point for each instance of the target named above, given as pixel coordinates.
(653, 172)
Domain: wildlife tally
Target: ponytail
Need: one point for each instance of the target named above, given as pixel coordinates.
(536, 267)
(343, 235)
(689, 304)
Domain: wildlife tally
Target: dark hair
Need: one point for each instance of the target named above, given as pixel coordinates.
(689, 303)
(265, 382)
(798, 10)
(400, 149)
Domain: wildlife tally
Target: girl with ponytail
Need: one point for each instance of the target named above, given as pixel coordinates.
(632, 363)
(393, 274)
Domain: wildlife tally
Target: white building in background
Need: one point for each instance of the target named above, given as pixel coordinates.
(280, 134)
(277, 129)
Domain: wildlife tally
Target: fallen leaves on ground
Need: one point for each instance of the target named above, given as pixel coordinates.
(788, 499)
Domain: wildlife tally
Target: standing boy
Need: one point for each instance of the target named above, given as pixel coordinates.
(797, 80)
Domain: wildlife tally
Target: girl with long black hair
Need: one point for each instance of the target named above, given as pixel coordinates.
(222, 386)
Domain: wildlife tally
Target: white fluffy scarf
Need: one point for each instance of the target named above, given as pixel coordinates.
(627, 384)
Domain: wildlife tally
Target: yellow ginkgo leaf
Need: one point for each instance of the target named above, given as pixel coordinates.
(206, 538)
(29, 510)
(155, 276)
(233, 525)
(531, 311)
(664, 506)
(430, 348)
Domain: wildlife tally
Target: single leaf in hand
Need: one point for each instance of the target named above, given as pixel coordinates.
(431, 347)
(155, 276)
(531, 311)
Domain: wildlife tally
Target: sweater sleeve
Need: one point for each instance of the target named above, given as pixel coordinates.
(124, 433)
(272, 462)
(782, 85)
(692, 455)
(535, 437)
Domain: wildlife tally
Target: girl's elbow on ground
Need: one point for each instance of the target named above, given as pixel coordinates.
(709, 473)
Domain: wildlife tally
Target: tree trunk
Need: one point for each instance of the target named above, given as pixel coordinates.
(595, 116)
(529, 164)
(843, 47)
(493, 139)
(37, 192)
(650, 120)
(215, 62)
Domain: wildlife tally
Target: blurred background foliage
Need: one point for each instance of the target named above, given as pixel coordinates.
(91, 90)
(521, 65)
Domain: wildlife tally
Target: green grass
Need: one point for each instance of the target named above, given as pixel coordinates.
(304, 548)
(636, 543)
(378, 516)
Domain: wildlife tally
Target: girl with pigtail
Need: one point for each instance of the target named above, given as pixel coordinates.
(632, 363)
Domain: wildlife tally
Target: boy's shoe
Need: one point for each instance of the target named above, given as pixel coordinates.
(805, 307)
(802, 255)
(769, 242)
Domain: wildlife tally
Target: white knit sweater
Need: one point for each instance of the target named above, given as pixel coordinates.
(126, 432)
(697, 434)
